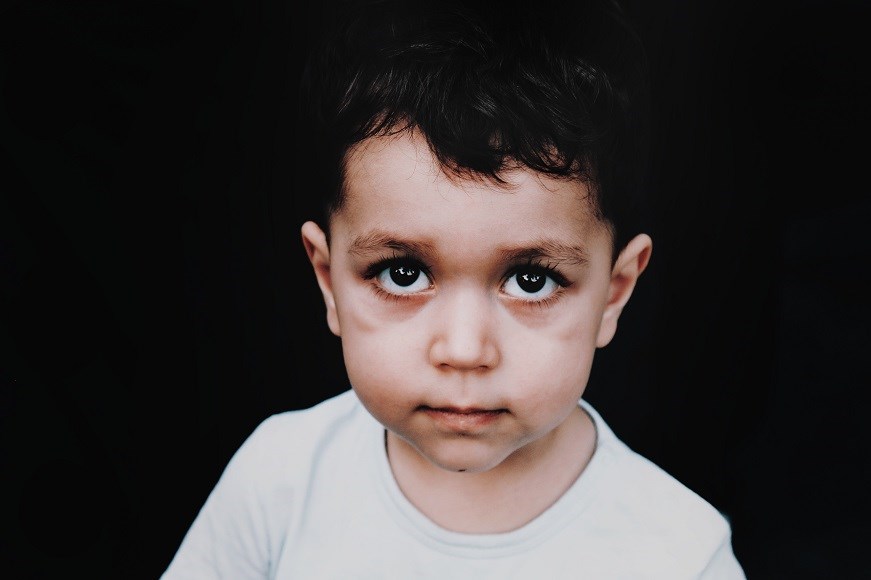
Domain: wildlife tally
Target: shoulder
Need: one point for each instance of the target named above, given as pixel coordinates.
(241, 528)
(661, 501)
(645, 502)
(319, 417)
(291, 436)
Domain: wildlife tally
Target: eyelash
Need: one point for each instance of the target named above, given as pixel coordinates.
(532, 265)
(395, 260)
(539, 267)
(388, 262)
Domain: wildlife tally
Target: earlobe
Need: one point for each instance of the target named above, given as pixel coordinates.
(629, 265)
(318, 250)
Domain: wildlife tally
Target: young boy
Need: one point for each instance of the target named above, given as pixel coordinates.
(481, 165)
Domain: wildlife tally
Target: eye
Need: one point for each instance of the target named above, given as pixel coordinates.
(532, 283)
(403, 277)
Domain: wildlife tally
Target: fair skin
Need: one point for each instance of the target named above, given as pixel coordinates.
(469, 315)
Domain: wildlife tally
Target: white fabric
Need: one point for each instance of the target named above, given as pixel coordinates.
(310, 495)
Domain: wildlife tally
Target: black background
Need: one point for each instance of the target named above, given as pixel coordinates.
(156, 303)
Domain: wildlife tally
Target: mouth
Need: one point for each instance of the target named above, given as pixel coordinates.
(463, 419)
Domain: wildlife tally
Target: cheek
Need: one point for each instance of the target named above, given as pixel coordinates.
(381, 356)
(380, 338)
(552, 365)
(377, 369)
(377, 359)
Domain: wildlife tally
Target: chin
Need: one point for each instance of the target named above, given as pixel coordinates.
(464, 456)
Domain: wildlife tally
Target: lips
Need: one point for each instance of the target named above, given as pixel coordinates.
(463, 419)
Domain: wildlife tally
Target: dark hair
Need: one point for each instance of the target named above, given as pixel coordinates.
(560, 89)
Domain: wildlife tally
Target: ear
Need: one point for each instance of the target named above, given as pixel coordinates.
(629, 265)
(318, 250)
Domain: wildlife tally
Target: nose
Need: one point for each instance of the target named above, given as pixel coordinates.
(464, 336)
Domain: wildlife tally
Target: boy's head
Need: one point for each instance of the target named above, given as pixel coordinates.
(559, 88)
(468, 261)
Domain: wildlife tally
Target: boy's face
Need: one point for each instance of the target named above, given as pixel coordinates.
(469, 314)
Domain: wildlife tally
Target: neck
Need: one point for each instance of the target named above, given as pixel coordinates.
(503, 498)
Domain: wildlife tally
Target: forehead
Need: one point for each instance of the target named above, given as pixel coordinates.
(395, 184)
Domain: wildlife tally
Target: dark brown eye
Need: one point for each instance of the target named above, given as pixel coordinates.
(531, 282)
(402, 276)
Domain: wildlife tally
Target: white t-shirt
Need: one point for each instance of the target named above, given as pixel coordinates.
(310, 495)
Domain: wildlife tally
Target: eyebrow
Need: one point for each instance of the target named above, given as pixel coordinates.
(548, 249)
(376, 241)
(538, 249)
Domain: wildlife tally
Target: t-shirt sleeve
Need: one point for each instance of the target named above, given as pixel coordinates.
(229, 538)
(723, 565)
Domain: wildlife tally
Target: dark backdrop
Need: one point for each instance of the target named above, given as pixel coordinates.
(156, 303)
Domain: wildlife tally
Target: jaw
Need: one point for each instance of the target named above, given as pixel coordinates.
(465, 484)
(493, 443)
